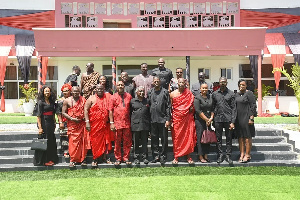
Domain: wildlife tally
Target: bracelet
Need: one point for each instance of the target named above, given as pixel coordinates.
(111, 122)
(87, 120)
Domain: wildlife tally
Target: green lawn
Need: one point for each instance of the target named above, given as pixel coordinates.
(154, 183)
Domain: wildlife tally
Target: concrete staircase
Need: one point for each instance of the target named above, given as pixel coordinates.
(270, 148)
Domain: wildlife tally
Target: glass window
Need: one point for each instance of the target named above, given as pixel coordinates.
(52, 73)
(33, 73)
(11, 90)
(116, 25)
(11, 73)
(228, 75)
(206, 71)
(223, 72)
(226, 72)
(14, 78)
(245, 71)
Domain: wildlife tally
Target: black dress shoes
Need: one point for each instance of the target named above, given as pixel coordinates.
(228, 159)
(155, 160)
(162, 160)
(220, 159)
(136, 162)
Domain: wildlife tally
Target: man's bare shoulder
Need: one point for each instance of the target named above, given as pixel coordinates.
(175, 93)
(92, 98)
(68, 101)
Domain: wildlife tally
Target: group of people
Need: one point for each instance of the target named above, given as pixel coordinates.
(149, 106)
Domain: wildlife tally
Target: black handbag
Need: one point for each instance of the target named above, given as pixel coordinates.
(39, 144)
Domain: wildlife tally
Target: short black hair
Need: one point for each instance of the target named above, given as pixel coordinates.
(75, 67)
(241, 80)
(179, 68)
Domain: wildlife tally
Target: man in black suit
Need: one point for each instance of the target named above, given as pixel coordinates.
(224, 117)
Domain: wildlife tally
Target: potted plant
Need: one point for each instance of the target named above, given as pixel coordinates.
(29, 100)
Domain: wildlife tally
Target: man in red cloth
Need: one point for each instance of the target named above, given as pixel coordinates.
(96, 117)
(73, 111)
(119, 116)
(183, 131)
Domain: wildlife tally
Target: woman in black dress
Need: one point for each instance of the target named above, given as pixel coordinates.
(46, 125)
(246, 110)
(203, 118)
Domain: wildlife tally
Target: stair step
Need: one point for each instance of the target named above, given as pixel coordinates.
(263, 155)
(253, 163)
(10, 151)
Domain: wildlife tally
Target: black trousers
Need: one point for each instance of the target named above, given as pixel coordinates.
(228, 133)
(140, 138)
(159, 130)
(200, 127)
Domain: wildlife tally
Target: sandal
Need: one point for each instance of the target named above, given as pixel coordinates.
(108, 161)
(66, 155)
(83, 163)
(202, 160)
(207, 160)
(246, 159)
(118, 162)
(127, 162)
(94, 164)
(50, 163)
(72, 164)
(175, 161)
(241, 160)
(190, 161)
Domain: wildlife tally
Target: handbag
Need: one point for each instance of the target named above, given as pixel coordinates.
(208, 137)
(39, 144)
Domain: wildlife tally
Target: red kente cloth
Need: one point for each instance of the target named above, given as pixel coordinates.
(77, 141)
(98, 120)
(183, 131)
(121, 110)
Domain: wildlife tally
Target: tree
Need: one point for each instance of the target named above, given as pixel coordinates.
(294, 80)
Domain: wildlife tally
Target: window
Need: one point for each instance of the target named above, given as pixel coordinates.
(206, 71)
(226, 72)
(245, 71)
(14, 78)
(116, 25)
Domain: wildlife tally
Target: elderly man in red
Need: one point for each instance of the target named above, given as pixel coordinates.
(96, 117)
(183, 131)
(119, 116)
(73, 111)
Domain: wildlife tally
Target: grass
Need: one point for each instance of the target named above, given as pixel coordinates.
(154, 183)
(6, 119)
(276, 120)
